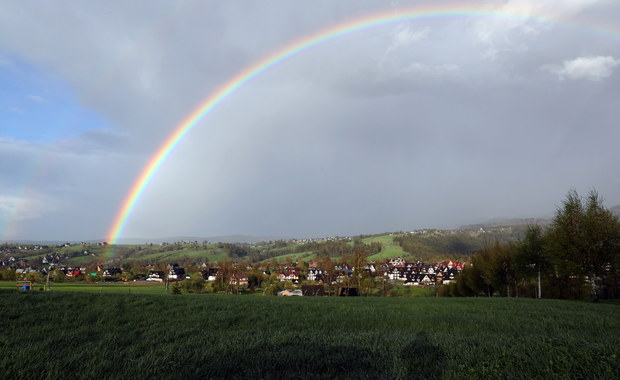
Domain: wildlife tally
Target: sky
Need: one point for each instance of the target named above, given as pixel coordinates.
(421, 123)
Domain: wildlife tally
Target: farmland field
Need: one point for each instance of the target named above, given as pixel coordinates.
(306, 255)
(389, 251)
(52, 334)
(99, 288)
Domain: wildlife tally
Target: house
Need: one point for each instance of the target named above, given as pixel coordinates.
(449, 274)
(209, 274)
(156, 276)
(239, 279)
(111, 272)
(212, 274)
(71, 272)
(289, 276)
(413, 280)
(315, 274)
(428, 279)
(397, 262)
(370, 268)
(439, 278)
(177, 273)
(419, 273)
(74, 272)
(343, 272)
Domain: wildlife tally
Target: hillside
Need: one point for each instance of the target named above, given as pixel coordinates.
(233, 239)
(424, 245)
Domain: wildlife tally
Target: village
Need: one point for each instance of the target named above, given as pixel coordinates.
(234, 276)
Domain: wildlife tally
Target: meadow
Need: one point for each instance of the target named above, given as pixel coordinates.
(98, 288)
(83, 334)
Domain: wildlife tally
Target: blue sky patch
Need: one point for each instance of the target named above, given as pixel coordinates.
(37, 106)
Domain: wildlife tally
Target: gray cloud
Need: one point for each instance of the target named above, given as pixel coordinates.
(588, 68)
(434, 122)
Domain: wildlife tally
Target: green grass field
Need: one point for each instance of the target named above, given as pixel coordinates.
(212, 255)
(90, 335)
(99, 288)
(305, 256)
(389, 251)
(383, 239)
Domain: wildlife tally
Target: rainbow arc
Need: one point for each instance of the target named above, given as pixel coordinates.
(295, 48)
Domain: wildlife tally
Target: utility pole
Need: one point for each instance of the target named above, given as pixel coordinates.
(47, 283)
(539, 287)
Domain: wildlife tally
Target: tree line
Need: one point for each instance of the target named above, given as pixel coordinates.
(577, 256)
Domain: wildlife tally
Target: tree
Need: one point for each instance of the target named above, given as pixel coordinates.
(530, 256)
(196, 284)
(224, 275)
(359, 266)
(329, 271)
(470, 282)
(496, 267)
(584, 239)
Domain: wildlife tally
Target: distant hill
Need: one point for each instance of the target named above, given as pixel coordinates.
(239, 239)
(503, 222)
(233, 239)
(42, 242)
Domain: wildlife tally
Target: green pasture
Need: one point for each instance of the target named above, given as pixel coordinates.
(291, 246)
(389, 251)
(306, 256)
(89, 335)
(383, 239)
(212, 255)
(99, 288)
(80, 260)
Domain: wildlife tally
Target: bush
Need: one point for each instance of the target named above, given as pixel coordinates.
(193, 285)
(274, 288)
(446, 290)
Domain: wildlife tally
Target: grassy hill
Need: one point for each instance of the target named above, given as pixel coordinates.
(52, 334)
(425, 245)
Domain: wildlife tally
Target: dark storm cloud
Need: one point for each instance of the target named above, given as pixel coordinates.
(417, 124)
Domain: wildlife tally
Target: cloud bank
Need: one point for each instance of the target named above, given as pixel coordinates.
(428, 123)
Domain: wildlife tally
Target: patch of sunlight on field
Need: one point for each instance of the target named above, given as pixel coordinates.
(389, 251)
(383, 239)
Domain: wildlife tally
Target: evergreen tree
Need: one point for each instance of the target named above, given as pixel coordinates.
(584, 239)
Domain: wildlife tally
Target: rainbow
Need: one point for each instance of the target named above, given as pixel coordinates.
(291, 50)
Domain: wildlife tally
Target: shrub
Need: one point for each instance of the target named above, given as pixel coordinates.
(193, 285)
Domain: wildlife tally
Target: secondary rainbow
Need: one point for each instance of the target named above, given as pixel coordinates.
(300, 45)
